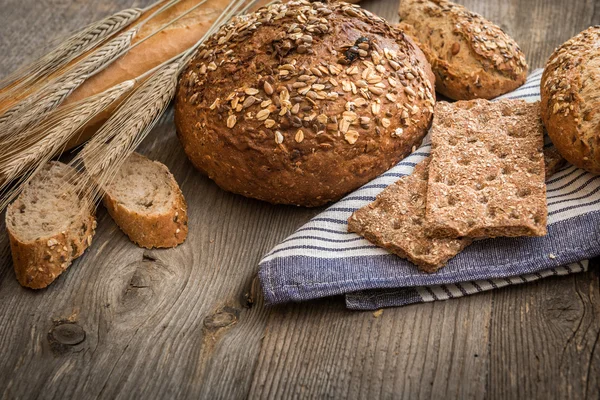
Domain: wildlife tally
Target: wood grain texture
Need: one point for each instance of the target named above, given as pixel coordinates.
(189, 322)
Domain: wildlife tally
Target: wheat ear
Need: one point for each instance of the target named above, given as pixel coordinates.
(34, 108)
(49, 138)
(124, 131)
(71, 48)
(30, 110)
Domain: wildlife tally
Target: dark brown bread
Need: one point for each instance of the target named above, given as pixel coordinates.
(303, 102)
(145, 201)
(553, 161)
(570, 93)
(486, 177)
(48, 226)
(470, 56)
(395, 221)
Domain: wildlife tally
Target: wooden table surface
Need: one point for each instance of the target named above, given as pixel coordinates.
(190, 322)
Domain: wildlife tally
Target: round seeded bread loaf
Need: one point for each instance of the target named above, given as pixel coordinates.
(571, 99)
(471, 57)
(301, 103)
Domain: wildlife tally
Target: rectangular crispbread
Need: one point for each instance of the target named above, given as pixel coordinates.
(395, 221)
(486, 177)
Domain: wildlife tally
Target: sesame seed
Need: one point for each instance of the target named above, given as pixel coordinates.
(231, 121)
(251, 91)
(215, 104)
(269, 123)
(268, 88)
(299, 136)
(278, 137)
(409, 91)
(375, 108)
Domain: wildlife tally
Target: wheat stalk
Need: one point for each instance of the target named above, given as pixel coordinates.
(124, 131)
(34, 108)
(30, 110)
(33, 143)
(71, 48)
(48, 139)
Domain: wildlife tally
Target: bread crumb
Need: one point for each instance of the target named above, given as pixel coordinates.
(552, 256)
(378, 313)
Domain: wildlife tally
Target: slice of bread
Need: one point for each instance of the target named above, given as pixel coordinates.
(48, 226)
(145, 201)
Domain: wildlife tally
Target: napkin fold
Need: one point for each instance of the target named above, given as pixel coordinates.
(323, 259)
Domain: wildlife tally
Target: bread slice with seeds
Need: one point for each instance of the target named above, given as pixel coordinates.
(49, 226)
(146, 202)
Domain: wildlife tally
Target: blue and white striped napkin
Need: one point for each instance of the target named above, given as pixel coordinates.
(322, 259)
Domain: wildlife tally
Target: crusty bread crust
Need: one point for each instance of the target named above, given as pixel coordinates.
(470, 56)
(553, 161)
(39, 262)
(278, 113)
(150, 230)
(570, 102)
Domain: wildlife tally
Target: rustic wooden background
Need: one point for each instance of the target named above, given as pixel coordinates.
(190, 322)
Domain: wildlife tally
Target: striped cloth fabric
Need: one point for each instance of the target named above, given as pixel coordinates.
(322, 259)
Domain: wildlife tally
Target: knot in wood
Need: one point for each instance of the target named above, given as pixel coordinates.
(221, 319)
(68, 334)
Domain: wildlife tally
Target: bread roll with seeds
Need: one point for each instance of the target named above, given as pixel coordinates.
(48, 226)
(145, 201)
(301, 103)
(570, 90)
(471, 57)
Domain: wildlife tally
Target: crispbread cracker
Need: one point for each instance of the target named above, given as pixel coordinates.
(486, 177)
(395, 221)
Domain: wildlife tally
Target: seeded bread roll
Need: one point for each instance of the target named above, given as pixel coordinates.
(570, 90)
(470, 56)
(145, 201)
(300, 103)
(48, 227)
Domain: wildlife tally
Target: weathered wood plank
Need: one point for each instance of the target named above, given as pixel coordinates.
(419, 351)
(176, 323)
(545, 339)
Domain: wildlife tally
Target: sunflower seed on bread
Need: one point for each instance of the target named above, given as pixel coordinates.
(145, 201)
(395, 221)
(486, 177)
(49, 226)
